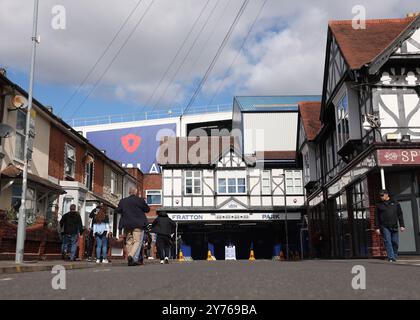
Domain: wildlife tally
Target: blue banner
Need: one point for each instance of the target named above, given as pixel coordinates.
(133, 147)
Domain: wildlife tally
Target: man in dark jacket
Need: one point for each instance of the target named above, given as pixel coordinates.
(133, 220)
(388, 214)
(164, 227)
(72, 224)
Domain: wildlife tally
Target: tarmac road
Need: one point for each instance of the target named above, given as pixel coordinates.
(222, 280)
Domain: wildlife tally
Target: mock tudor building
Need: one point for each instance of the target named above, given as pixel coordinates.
(369, 136)
(223, 197)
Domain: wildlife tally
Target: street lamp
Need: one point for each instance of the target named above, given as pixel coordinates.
(20, 237)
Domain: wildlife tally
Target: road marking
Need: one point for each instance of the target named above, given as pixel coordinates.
(103, 270)
(6, 279)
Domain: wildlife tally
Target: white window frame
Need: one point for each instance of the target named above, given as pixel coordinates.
(113, 182)
(342, 120)
(73, 173)
(193, 179)
(266, 176)
(294, 188)
(20, 134)
(226, 180)
(89, 175)
(154, 191)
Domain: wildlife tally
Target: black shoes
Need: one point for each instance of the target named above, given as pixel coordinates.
(130, 261)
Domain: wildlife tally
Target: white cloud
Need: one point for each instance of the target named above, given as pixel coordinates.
(285, 54)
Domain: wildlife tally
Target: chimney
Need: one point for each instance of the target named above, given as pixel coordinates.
(3, 72)
(50, 109)
(413, 14)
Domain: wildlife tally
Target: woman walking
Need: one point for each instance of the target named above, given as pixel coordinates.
(101, 233)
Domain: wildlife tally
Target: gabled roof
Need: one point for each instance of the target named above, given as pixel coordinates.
(363, 46)
(272, 103)
(213, 147)
(309, 115)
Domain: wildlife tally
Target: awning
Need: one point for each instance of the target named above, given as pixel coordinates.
(94, 197)
(13, 172)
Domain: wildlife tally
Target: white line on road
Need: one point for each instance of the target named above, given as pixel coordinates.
(6, 279)
(103, 270)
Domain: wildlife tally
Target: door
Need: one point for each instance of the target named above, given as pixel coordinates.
(403, 186)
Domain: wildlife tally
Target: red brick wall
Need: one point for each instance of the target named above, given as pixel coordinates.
(98, 176)
(58, 139)
(138, 175)
(152, 182)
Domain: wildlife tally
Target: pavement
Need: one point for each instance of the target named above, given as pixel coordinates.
(8, 267)
(223, 280)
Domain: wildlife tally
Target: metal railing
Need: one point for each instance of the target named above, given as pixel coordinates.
(147, 115)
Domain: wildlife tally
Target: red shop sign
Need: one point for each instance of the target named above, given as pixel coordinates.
(398, 157)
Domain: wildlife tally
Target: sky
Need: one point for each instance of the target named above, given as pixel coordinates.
(162, 52)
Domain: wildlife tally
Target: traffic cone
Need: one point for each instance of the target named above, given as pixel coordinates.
(281, 256)
(251, 256)
(181, 256)
(209, 256)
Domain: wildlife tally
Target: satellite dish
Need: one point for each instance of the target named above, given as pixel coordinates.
(5, 130)
(19, 102)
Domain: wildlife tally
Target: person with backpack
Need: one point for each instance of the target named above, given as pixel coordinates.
(164, 227)
(72, 226)
(101, 231)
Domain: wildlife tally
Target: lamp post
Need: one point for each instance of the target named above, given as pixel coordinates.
(20, 238)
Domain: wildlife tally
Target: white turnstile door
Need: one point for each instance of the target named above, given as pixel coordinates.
(230, 253)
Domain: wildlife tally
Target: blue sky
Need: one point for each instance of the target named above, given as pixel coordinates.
(284, 54)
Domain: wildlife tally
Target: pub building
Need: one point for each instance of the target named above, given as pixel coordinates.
(364, 136)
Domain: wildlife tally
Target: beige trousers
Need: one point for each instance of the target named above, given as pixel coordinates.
(133, 241)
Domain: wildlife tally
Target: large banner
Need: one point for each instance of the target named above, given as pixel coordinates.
(133, 147)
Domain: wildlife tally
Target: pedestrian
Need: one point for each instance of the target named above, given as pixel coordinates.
(90, 239)
(72, 226)
(101, 231)
(133, 220)
(388, 215)
(164, 227)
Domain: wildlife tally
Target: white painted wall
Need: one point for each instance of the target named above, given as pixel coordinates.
(270, 131)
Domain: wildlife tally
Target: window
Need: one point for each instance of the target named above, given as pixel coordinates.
(193, 182)
(154, 197)
(113, 182)
(67, 201)
(266, 182)
(232, 185)
(294, 182)
(70, 161)
(20, 134)
(89, 175)
(342, 117)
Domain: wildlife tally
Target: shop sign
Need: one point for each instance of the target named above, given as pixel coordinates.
(236, 217)
(398, 157)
